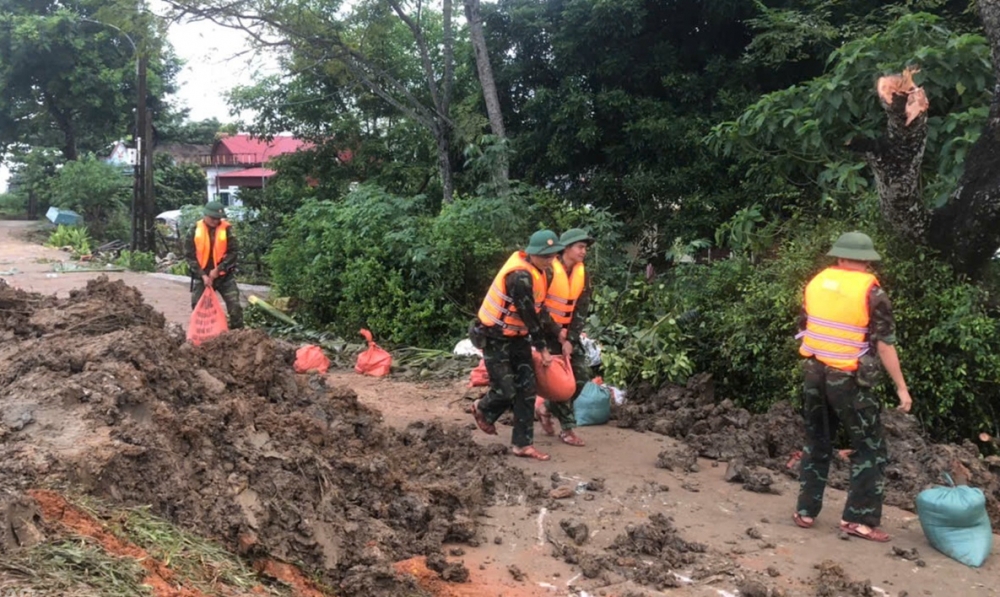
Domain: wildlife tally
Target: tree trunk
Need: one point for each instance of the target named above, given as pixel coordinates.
(65, 125)
(443, 138)
(488, 82)
(967, 229)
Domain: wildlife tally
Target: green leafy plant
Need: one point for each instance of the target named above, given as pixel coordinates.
(137, 261)
(75, 237)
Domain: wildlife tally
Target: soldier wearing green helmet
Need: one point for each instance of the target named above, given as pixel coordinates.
(211, 253)
(568, 304)
(510, 321)
(848, 335)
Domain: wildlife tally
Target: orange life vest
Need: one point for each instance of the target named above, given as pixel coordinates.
(564, 292)
(498, 308)
(202, 239)
(836, 304)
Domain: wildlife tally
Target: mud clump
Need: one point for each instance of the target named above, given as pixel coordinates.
(833, 581)
(719, 430)
(227, 441)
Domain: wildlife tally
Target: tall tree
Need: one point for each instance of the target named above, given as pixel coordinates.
(67, 70)
(351, 42)
(486, 80)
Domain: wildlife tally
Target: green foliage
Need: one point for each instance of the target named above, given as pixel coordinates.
(177, 185)
(641, 338)
(137, 261)
(68, 72)
(95, 190)
(738, 321)
(75, 237)
(179, 269)
(807, 126)
(394, 265)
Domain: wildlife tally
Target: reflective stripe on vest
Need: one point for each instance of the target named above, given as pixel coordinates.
(837, 317)
(201, 241)
(498, 309)
(564, 292)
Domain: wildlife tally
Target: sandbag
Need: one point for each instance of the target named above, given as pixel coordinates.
(208, 319)
(555, 382)
(955, 523)
(593, 405)
(479, 376)
(374, 361)
(311, 358)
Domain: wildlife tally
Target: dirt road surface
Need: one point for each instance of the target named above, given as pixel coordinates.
(755, 530)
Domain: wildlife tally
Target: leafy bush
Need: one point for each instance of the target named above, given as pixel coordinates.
(137, 261)
(95, 190)
(75, 237)
(640, 337)
(394, 265)
(742, 321)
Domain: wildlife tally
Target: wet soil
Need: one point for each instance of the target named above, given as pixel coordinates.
(226, 440)
(718, 430)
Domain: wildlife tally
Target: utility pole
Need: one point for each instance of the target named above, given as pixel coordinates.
(149, 209)
(138, 184)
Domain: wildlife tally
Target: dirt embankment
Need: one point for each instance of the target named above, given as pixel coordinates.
(721, 431)
(225, 439)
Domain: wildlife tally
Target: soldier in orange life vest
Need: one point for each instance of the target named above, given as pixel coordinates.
(848, 335)
(511, 320)
(211, 255)
(568, 303)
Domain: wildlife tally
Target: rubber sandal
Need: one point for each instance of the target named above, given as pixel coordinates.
(488, 428)
(801, 522)
(530, 452)
(570, 437)
(852, 528)
(545, 418)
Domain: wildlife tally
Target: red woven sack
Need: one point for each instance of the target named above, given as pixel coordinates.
(374, 361)
(555, 382)
(311, 358)
(479, 376)
(208, 320)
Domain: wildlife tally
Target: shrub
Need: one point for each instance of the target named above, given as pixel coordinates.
(95, 190)
(75, 237)
(137, 261)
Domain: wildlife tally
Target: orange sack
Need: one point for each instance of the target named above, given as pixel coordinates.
(311, 358)
(479, 376)
(374, 361)
(555, 382)
(208, 320)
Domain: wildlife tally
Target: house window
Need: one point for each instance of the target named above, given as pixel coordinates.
(224, 198)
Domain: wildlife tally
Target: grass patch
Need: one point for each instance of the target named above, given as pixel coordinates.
(72, 566)
(200, 562)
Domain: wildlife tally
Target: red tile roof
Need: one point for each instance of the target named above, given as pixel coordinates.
(249, 173)
(247, 150)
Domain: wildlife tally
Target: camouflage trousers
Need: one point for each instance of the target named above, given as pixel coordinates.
(581, 372)
(830, 398)
(226, 285)
(512, 386)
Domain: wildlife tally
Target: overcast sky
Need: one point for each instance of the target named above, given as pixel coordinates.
(210, 70)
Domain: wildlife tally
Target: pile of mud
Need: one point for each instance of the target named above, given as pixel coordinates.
(718, 430)
(226, 440)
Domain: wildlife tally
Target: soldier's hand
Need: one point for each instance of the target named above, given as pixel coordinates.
(905, 402)
(567, 348)
(214, 273)
(206, 280)
(563, 335)
(546, 357)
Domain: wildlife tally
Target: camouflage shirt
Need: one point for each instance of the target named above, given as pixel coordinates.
(191, 253)
(521, 290)
(881, 325)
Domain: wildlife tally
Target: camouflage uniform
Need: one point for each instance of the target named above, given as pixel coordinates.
(225, 285)
(563, 411)
(832, 397)
(508, 361)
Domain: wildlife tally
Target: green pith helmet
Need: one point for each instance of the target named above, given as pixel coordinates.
(214, 209)
(543, 243)
(856, 246)
(575, 235)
